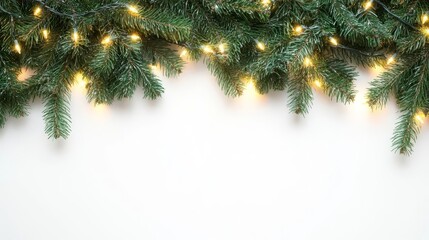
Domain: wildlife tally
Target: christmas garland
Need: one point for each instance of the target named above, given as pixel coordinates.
(291, 45)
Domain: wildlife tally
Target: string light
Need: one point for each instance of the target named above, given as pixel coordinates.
(184, 53)
(377, 69)
(133, 9)
(308, 62)
(419, 117)
(37, 12)
(80, 80)
(45, 34)
(333, 41)
(266, 3)
(153, 66)
(424, 18)
(250, 83)
(207, 49)
(318, 83)
(221, 48)
(24, 74)
(367, 5)
(135, 37)
(425, 31)
(75, 35)
(390, 60)
(17, 47)
(260, 45)
(298, 29)
(106, 41)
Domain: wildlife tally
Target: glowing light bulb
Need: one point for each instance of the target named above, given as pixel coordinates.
(425, 31)
(221, 48)
(45, 34)
(154, 67)
(37, 12)
(250, 89)
(377, 69)
(135, 37)
(333, 41)
(419, 117)
(75, 36)
(184, 53)
(298, 29)
(424, 18)
(25, 74)
(17, 47)
(250, 84)
(266, 3)
(318, 83)
(260, 46)
(390, 60)
(207, 49)
(133, 9)
(367, 5)
(360, 102)
(308, 62)
(80, 80)
(106, 41)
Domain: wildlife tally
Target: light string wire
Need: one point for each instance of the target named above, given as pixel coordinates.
(395, 16)
(84, 14)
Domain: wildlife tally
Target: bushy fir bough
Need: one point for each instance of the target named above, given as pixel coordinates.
(291, 45)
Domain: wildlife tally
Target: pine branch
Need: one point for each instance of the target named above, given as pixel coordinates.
(338, 78)
(299, 90)
(57, 115)
(229, 79)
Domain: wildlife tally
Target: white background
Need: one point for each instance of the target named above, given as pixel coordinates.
(196, 165)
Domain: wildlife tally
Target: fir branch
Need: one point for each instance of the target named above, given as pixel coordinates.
(299, 90)
(229, 78)
(57, 115)
(338, 78)
(116, 69)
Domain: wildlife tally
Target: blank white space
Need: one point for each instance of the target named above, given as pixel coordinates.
(196, 165)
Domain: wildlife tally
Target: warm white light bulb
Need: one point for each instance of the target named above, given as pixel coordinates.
(308, 62)
(153, 66)
(367, 5)
(419, 117)
(17, 47)
(37, 12)
(75, 36)
(260, 46)
(106, 41)
(318, 83)
(135, 37)
(390, 60)
(298, 29)
(424, 18)
(266, 3)
(80, 80)
(207, 49)
(425, 31)
(184, 53)
(133, 9)
(333, 41)
(221, 48)
(45, 34)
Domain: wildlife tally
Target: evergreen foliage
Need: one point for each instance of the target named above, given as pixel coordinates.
(291, 45)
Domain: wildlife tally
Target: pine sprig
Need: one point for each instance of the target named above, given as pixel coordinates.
(57, 115)
(292, 45)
